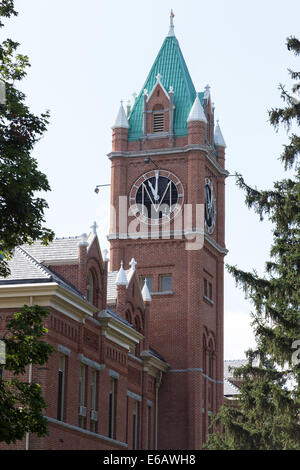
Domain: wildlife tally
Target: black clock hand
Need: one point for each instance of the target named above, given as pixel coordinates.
(156, 184)
(149, 194)
(162, 199)
(156, 196)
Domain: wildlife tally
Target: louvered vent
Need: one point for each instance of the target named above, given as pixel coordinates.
(158, 122)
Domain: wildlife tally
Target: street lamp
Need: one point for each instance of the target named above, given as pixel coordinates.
(100, 186)
(148, 160)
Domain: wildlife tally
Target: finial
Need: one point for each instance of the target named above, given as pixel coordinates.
(171, 89)
(171, 30)
(218, 136)
(105, 255)
(207, 92)
(94, 228)
(121, 277)
(158, 77)
(133, 264)
(128, 108)
(83, 240)
(145, 91)
(197, 112)
(146, 293)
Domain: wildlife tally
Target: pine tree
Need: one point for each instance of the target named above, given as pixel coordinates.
(21, 211)
(267, 416)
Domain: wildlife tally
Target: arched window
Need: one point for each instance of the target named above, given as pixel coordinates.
(211, 359)
(204, 352)
(90, 287)
(137, 326)
(137, 323)
(128, 316)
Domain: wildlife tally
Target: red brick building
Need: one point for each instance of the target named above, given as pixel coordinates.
(101, 383)
(168, 152)
(139, 349)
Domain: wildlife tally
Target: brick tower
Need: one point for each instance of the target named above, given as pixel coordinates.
(168, 175)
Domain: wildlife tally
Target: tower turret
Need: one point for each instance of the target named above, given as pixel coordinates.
(196, 123)
(120, 130)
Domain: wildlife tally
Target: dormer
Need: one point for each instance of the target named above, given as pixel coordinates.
(158, 111)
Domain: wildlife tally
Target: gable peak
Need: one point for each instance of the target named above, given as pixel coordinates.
(158, 83)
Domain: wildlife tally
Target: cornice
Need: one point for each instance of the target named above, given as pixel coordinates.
(118, 332)
(163, 152)
(152, 364)
(220, 249)
(148, 236)
(48, 294)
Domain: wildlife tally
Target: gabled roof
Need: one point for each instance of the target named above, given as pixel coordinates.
(229, 365)
(60, 249)
(23, 267)
(26, 269)
(230, 389)
(171, 65)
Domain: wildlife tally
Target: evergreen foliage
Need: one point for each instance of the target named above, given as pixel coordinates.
(267, 414)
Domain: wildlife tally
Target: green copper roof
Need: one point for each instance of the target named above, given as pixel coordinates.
(172, 67)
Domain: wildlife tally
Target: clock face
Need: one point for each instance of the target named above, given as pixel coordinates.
(210, 206)
(156, 197)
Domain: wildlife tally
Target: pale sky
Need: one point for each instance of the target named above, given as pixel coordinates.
(87, 55)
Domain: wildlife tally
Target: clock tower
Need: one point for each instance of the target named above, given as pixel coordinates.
(167, 212)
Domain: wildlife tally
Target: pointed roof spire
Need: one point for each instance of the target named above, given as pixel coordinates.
(171, 29)
(218, 137)
(121, 119)
(83, 240)
(197, 112)
(146, 293)
(121, 277)
(171, 65)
